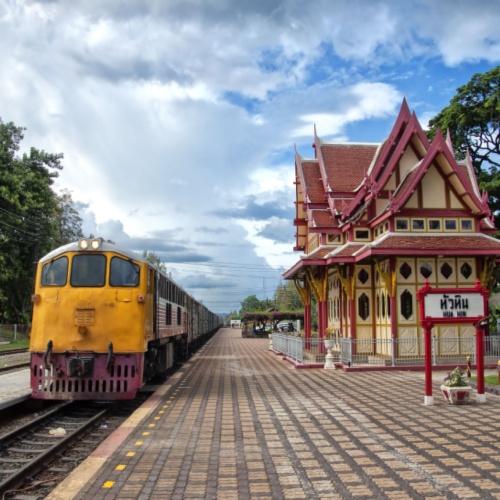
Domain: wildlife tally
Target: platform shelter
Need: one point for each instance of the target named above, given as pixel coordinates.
(374, 221)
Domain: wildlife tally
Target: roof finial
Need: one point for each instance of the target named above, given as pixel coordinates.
(405, 109)
(468, 158)
(449, 143)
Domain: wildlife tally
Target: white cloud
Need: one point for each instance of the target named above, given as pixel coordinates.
(140, 98)
(366, 100)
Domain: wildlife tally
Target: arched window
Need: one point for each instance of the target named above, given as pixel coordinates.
(363, 306)
(405, 270)
(406, 301)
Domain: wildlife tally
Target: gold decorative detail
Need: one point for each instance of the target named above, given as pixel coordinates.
(318, 284)
(486, 276)
(349, 285)
(303, 291)
(388, 279)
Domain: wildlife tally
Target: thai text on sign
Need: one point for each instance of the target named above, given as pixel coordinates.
(454, 305)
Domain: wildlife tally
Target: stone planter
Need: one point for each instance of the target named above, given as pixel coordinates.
(329, 344)
(456, 395)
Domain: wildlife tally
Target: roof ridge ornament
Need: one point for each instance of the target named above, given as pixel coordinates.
(449, 142)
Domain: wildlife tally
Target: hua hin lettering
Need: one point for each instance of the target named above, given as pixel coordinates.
(454, 306)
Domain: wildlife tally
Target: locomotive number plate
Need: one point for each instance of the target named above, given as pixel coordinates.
(84, 317)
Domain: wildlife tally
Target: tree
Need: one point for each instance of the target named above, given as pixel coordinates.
(155, 261)
(286, 297)
(33, 219)
(473, 119)
(69, 221)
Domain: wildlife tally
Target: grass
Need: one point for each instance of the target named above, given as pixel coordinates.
(489, 379)
(18, 344)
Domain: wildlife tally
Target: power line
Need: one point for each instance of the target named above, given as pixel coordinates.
(24, 218)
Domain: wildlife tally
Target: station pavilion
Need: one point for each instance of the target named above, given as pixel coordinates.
(374, 221)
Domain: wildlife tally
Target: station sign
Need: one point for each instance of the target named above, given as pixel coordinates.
(454, 305)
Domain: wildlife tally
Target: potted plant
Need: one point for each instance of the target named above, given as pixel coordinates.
(329, 340)
(455, 388)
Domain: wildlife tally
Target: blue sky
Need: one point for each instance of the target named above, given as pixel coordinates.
(178, 119)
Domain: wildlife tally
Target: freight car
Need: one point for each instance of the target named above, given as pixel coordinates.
(105, 322)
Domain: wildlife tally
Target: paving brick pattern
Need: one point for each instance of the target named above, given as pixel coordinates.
(242, 423)
(14, 384)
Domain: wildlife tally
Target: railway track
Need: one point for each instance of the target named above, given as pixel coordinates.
(14, 367)
(31, 448)
(13, 351)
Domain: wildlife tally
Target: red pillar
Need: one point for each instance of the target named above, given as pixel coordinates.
(307, 325)
(322, 322)
(481, 397)
(428, 400)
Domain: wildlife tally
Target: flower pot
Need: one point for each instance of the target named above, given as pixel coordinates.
(456, 395)
(329, 343)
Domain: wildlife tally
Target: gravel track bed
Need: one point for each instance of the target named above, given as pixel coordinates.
(40, 485)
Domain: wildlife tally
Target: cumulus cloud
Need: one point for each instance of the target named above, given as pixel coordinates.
(177, 118)
(279, 230)
(206, 282)
(162, 243)
(371, 100)
(252, 209)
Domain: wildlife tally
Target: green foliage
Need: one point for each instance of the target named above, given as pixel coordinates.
(233, 315)
(15, 344)
(252, 303)
(473, 119)
(155, 261)
(33, 219)
(286, 297)
(456, 378)
(69, 222)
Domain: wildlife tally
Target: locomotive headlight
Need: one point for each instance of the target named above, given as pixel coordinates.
(83, 244)
(96, 244)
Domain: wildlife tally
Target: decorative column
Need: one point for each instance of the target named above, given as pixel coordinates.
(428, 398)
(388, 278)
(349, 286)
(319, 285)
(304, 292)
(480, 396)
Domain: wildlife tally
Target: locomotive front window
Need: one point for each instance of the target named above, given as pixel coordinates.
(123, 273)
(54, 273)
(88, 270)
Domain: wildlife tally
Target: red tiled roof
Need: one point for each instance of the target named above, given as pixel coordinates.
(312, 177)
(323, 218)
(319, 253)
(347, 164)
(442, 242)
(348, 250)
(465, 177)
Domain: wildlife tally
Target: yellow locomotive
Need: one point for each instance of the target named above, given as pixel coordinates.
(106, 321)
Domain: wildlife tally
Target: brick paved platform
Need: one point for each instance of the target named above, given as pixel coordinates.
(14, 385)
(239, 422)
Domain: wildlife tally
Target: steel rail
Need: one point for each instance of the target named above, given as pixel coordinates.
(13, 351)
(40, 461)
(14, 367)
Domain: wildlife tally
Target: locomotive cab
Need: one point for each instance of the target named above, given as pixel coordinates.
(92, 318)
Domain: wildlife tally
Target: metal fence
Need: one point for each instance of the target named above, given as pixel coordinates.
(303, 351)
(10, 333)
(385, 352)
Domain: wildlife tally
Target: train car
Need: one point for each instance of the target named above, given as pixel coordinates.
(105, 322)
